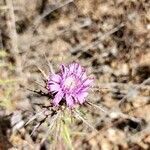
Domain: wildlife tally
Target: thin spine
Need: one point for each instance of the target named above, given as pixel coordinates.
(43, 73)
(52, 122)
(49, 65)
(34, 117)
(78, 116)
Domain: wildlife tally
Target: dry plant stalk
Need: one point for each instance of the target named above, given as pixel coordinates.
(13, 35)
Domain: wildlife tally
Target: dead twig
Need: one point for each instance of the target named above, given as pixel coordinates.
(84, 46)
(38, 19)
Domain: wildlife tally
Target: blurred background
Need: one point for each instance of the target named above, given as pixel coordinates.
(111, 38)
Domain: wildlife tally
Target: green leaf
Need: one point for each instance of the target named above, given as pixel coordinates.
(66, 135)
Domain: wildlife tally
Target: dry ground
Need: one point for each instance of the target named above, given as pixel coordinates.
(111, 38)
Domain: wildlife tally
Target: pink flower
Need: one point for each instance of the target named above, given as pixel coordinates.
(70, 84)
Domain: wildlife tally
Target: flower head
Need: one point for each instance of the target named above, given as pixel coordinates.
(70, 84)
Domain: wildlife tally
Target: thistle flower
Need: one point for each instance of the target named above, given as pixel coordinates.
(70, 84)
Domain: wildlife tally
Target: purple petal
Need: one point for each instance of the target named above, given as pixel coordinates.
(85, 86)
(56, 78)
(64, 70)
(69, 100)
(83, 75)
(72, 67)
(83, 89)
(81, 97)
(87, 82)
(58, 98)
(54, 87)
(79, 70)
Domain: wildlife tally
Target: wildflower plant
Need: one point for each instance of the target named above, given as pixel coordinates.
(67, 90)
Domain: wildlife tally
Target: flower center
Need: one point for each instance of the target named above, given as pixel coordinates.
(70, 83)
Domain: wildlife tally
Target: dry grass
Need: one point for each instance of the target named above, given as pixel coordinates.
(110, 38)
